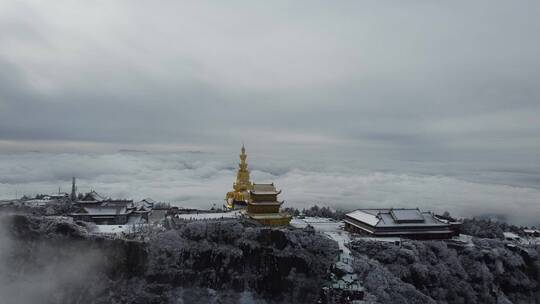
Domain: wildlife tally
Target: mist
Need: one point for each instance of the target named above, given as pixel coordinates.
(201, 180)
(45, 270)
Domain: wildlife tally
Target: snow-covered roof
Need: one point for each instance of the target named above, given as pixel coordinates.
(365, 217)
(264, 189)
(93, 196)
(112, 229)
(510, 235)
(395, 218)
(105, 210)
(37, 201)
(407, 215)
(429, 219)
(213, 215)
(149, 200)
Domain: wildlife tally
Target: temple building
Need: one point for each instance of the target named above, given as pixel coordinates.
(103, 215)
(240, 194)
(93, 207)
(400, 222)
(263, 206)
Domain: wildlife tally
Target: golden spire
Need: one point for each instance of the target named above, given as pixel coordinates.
(242, 176)
(242, 184)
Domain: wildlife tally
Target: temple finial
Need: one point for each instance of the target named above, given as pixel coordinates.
(242, 184)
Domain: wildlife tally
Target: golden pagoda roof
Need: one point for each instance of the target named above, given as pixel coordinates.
(264, 189)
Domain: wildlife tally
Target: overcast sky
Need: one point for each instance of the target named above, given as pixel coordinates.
(412, 79)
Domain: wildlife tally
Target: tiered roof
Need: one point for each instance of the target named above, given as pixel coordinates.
(104, 210)
(264, 189)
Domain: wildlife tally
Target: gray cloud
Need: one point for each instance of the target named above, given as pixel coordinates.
(448, 79)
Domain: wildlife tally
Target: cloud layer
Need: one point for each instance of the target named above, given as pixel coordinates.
(202, 179)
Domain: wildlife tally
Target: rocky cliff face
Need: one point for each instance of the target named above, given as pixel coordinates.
(53, 260)
(228, 256)
(45, 260)
(487, 271)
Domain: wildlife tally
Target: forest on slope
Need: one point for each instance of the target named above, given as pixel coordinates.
(56, 260)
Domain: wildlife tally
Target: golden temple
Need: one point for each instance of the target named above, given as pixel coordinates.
(260, 199)
(240, 194)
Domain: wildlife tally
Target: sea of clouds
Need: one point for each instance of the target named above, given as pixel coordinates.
(195, 179)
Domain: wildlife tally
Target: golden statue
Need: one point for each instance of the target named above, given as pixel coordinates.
(240, 194)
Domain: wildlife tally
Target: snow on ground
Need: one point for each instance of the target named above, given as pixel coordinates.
(333, 229)
(464, 238)
(330, 227)
(319, 223)
(113, 229)
(136, 222)
(531, 241)
(298, 223)
(342, 238)
(510, 236)
(380, 239)
(212, 215)
(524, 241)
